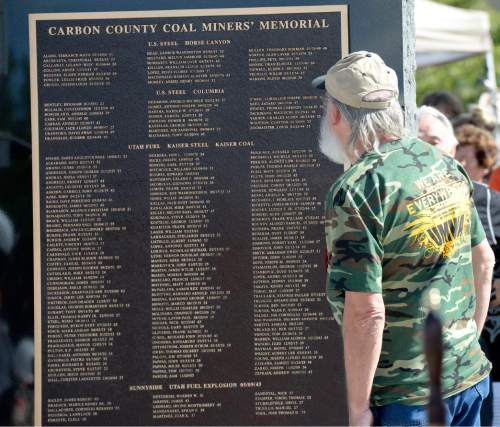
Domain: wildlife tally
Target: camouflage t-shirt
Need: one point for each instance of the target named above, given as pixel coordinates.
(401, 222)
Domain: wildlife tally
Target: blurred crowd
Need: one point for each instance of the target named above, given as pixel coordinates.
(471, 137)
(16, 300)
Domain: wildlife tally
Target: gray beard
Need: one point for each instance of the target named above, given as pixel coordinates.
(329, 143)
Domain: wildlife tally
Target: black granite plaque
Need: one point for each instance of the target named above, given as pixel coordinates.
(179, 217)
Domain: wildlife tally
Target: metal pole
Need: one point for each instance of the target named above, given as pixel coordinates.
(491, 84)
(433, 344)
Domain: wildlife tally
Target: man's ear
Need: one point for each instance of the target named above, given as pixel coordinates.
(335, 116)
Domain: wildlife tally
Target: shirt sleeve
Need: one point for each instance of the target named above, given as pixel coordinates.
(477, 234)
(354, 251)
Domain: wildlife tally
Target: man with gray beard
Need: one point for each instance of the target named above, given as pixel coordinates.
(401, 229)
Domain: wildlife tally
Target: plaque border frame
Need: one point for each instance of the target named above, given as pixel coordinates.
(33, 58)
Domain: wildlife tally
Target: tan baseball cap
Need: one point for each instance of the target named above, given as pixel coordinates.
(361, 80)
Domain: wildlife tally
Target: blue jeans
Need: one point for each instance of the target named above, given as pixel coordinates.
(462, 409)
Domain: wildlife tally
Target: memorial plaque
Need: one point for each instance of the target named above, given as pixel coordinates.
(178, 208)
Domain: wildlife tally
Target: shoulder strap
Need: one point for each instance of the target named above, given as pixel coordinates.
(488, 215)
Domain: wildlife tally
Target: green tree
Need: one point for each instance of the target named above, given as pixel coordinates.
(465, 77)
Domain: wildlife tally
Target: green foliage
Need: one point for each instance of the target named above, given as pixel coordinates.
(465, 78)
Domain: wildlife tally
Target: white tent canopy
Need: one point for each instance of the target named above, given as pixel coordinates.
(445, 33)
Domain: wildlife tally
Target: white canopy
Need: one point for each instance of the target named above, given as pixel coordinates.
(445, 33)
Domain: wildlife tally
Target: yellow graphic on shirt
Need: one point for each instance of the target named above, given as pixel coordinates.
(442, 214)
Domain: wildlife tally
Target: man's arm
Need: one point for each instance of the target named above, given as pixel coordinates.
(363, 325)
(483, 262)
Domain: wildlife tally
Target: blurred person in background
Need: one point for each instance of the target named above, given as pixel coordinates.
(446, 102)
(482, 116)
(23, 364)
(435, 128)
(7, 240)
(16, 323)
(486, 103)
(477, 152)
(477, 116)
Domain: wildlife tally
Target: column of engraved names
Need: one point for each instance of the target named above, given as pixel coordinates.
(84, 304)
(191, 111)
(283, 210)
(185, 295)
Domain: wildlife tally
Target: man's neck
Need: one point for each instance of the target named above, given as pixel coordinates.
(360, 150)
(386, 139)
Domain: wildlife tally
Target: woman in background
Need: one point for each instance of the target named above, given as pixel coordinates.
(477, 152)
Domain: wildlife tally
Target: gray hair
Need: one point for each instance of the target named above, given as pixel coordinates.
(451, 141)
(426, 110)
(369, 125)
